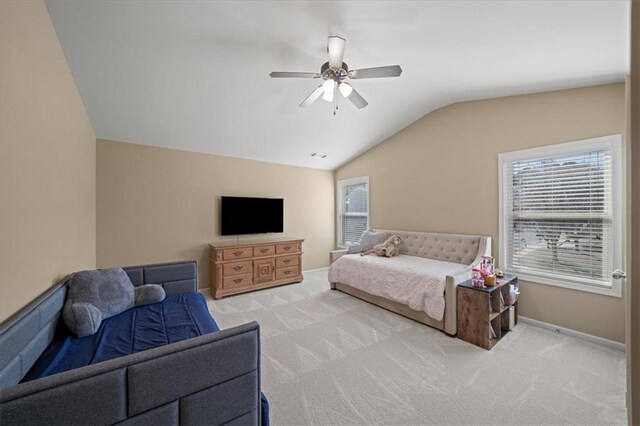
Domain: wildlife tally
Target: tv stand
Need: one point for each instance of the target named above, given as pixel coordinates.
(240, 267)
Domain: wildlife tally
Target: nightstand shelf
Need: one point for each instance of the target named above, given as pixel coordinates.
(483, 315)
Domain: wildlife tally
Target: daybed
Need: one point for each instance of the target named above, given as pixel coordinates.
(419, 283)
(137, 369)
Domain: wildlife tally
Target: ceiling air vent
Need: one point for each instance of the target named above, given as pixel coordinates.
(316, 155)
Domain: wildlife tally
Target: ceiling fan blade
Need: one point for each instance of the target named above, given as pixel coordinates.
(377, 72)
(286, 74)
(312, 97)
(356, 99)
(335, 47)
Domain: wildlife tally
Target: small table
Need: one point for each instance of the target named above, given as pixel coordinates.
(483, 314)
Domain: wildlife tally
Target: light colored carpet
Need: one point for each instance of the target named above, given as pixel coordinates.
(329, 358)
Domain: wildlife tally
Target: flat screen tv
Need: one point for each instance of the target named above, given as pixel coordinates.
(246, 215)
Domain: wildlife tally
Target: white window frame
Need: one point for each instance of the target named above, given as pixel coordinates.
(611, 142)
(340, 185)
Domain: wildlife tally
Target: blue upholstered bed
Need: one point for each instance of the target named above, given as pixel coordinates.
(165, 363)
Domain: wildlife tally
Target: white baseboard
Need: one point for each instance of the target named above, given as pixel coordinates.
(573, 333)
(316, 270)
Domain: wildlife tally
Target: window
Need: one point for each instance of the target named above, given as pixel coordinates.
(561, 214)
(353, 209)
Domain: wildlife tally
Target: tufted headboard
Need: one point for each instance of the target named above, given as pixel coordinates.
(24, 336)
(463, 249)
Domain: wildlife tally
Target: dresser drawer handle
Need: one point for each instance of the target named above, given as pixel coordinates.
(287, 248)
(287, 272)
(238, 268)
(238, 280)
(264, 250)
(237, 253)
(287, 261)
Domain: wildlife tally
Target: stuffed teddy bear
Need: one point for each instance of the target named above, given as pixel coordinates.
(93, 296)
(389, 248)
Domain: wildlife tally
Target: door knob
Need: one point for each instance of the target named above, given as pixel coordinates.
(618, 274)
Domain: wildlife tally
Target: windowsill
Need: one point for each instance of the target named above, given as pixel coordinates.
(614, 291)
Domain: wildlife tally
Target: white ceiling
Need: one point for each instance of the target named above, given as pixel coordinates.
(195, 75)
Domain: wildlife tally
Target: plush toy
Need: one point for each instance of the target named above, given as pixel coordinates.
(93, 296)
(389, 248)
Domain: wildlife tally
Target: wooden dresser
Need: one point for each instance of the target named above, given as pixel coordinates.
(253, 265)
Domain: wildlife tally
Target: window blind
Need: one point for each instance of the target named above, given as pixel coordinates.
(558, 216)
(355, 215)
(352, 228)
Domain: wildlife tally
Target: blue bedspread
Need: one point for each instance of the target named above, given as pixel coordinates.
(178, 317)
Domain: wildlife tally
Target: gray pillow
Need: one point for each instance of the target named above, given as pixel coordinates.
(94, 296)
(149, 293)
(368, 239)
(353, 248)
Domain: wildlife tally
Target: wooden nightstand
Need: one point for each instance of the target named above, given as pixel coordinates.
(483, 314)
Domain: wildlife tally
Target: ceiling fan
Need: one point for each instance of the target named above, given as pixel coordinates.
(335, 72)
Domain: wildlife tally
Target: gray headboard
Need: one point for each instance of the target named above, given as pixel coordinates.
(463, 249)
(25, 335)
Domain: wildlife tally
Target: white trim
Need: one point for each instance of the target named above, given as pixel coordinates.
(339, 188)
(611, 142)
(565, 283)
(562, 148)
(324, 268)
(502, 246)
(611, 344)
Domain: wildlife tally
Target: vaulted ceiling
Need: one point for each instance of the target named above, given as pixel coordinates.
(195, 75)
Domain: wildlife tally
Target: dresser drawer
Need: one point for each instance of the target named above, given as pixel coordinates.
(237, 268)
(264, 251)
(290, 271)
(286, 248)
(237, 253)
(237, 281)
(285, 261)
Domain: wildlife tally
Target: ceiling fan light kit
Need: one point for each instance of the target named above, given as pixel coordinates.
(335, 72)
(345, 88)
(329, 88)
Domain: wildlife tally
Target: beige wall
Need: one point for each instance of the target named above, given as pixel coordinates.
(440, 174)
(47, 160)
(157, 204)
